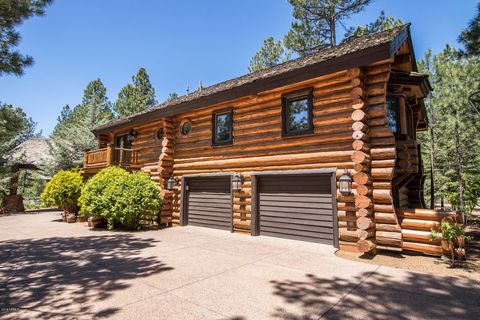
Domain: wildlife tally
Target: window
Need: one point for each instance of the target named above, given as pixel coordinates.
(186, 128)
(392, 113)
(297, 113)
(122, 141)
(222, 127)
(159, 134)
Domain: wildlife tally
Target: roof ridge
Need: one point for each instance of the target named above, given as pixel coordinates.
(353, 45)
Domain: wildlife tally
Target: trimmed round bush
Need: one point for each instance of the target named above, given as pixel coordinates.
(120, 197)
(63, 191)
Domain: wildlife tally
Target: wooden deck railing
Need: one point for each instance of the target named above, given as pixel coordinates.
(110, 155)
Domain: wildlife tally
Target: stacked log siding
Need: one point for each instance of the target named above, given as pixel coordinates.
(258, 143)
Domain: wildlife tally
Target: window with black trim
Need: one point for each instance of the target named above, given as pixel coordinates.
(297, 113)
(393, 104)
(222, 126)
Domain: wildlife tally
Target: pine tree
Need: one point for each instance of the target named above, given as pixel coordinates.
(172, 96)
(12, 14)
(316, 23)
(15, 128)
(137, 96)
(470, 37)
(72, 134)
(270, 54)
(452, 143)
(381, 24)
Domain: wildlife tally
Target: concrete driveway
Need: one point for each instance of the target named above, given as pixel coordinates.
(54, 270)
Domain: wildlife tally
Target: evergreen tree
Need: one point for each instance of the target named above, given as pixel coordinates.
(451, 147)
(15, 128)
(381, 24)
(72, 134)
(270, 54)
(470, 37)
(172, 96)
(12, 14)
(316, 23)
(137, 96)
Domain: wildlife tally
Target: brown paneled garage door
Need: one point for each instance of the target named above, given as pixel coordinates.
(297, 207)
(209, 202)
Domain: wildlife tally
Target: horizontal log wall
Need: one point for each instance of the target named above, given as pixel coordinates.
(416, 227)
(258, 143)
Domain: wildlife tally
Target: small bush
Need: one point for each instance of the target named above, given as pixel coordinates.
(120, 197)
(63, 191)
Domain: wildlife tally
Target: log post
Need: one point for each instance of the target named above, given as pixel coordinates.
(85, 157)
(165, 171)
(110, 155)
(364, 226)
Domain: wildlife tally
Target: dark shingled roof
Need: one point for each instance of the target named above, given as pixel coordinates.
(393, 37)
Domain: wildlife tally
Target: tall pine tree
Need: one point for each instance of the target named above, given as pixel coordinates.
(12, 14)
(137, 96)
(270, 54)
(470, 37)
(381, 24)
(451, 147)
(316, 21)
(72, 134)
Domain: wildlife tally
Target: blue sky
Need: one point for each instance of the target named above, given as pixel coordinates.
(179, 43)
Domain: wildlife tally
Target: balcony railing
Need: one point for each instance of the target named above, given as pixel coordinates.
(104, 157)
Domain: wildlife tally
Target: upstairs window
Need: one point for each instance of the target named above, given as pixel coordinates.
(392, 113)
(222, 126)
(297, 113)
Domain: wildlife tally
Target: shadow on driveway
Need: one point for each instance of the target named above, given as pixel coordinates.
(67, 275)
(395, 295)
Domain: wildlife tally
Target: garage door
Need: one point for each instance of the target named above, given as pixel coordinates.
(297, 207)
(209, 202)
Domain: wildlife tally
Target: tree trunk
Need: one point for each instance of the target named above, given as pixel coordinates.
(432, 166)
(332, 25)
(458, 164)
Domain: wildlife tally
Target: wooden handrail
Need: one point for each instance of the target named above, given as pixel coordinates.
(110, 156)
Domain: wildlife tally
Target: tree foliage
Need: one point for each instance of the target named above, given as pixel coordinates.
(12, 14)
(470, 37)
(15, 128)
(270, 54)
(316, 21)
(454, 127)
(381, 24)
(315, 28)
(120, 197)
(72, 134)
(63, 191)
(135, 96)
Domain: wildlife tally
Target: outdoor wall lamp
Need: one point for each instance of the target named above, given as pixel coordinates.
(345, 183)
(237, 181)
(172, 183)
(132, 135)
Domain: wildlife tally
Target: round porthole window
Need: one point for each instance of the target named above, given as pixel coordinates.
(186, 127)
(160, 134)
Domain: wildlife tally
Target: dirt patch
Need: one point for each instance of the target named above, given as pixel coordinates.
(422, 263)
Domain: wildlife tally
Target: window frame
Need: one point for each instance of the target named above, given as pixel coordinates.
(122, 135)
(398, 133)
(214, 127)
(293, 96)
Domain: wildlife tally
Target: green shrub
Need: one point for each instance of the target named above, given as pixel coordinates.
(63, 191)
(120, 197)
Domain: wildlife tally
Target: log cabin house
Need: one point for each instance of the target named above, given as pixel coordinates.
(262, 154)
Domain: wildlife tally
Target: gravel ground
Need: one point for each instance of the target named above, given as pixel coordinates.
(427, 264)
